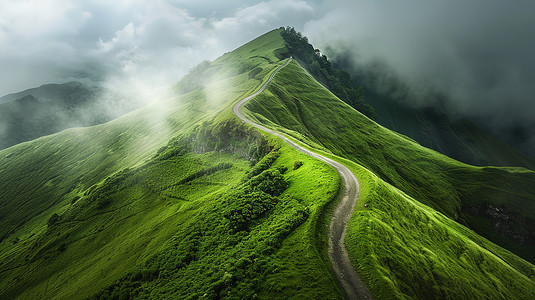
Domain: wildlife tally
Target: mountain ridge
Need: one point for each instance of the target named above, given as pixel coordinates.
(348, 278)
(47, 91)
(182, 200)
(266, 102)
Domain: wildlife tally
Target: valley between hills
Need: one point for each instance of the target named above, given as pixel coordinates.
(226, 189)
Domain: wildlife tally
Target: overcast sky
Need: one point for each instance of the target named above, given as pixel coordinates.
(480, 53)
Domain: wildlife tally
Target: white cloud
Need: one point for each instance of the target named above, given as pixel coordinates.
(271, 14)
(42, 19)
(476, 53)
(157, 41)
(57, 40)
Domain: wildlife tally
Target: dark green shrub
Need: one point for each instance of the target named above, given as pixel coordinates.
(254, 72)
(270, 182)
(264, 164)
(76, 198)
(102, 202)
(282, 53)
(62, 247)
(54, 218)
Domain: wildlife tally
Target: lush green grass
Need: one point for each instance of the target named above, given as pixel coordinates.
(408, 250)
(101, 243)
(257, 238)
(123, 208)
(182, 200)
(402, 172)
(318, 118)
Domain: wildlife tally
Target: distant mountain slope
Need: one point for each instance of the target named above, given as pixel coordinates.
(52, 108)
(461, 139)
(73, 92)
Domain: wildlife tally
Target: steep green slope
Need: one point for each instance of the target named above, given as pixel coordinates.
(432, 127)
(107, 210)
(408, 250)
(457, 138)
(254, 237)
(182, 200)
(299, 106)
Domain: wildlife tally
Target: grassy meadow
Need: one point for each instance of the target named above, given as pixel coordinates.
(181, 200)
(151, 205)
(408, 242)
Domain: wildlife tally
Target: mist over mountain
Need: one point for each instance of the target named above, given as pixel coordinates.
(261, 172)
(476, 56)
(51, 108)
(473, 59)
(184, 199)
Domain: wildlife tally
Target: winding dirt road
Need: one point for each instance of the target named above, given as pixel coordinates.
(350, 281)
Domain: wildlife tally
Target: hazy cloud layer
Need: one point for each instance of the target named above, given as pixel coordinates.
(131, 44)
(478, 54)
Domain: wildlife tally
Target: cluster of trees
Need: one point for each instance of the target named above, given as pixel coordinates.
(337, 81)
(257, 197)
(246, 207)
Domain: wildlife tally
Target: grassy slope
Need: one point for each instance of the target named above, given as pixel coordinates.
(48, 109)
(43, 176)
(136, 211)
(459, 139)
(156, 227)
(269, 259)
(294, 103)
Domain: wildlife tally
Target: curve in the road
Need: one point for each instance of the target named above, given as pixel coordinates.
(351, 282)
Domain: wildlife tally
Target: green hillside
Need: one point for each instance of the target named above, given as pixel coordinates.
(461, 138)
(181, 200)
(432, 127)
(408, 181)
(144, 204)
